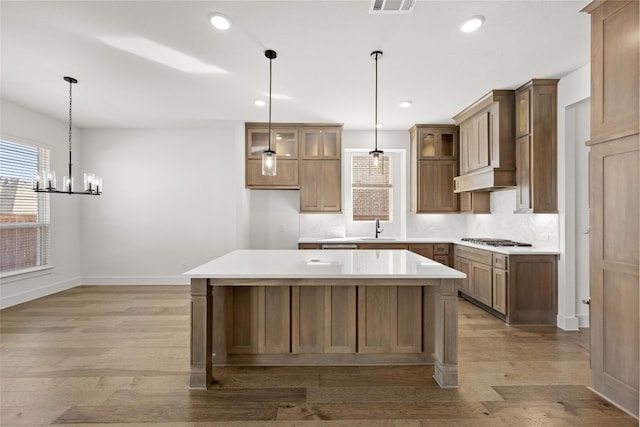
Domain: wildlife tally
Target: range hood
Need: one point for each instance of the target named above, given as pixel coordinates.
(487, 143)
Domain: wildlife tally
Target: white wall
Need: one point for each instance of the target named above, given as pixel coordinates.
(572, 89)
(173, 199)
(25, 126)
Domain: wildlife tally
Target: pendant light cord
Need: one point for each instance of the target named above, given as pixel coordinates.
(375, 125)
(270, 78)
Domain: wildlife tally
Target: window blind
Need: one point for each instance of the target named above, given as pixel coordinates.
(24, 214)
(371, 188)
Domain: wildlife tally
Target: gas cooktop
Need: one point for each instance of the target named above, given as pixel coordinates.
(493, 241)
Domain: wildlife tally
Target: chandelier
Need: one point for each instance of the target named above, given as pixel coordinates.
(45, 182)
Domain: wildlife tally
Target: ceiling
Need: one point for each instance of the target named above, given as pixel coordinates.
(323, 72)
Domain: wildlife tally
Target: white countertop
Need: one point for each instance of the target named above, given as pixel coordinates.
(320, 264)
(507, 250)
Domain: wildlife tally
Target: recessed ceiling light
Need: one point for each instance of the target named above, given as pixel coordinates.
(406, 104)
(219, 21)
(472, 24)
(260, 102)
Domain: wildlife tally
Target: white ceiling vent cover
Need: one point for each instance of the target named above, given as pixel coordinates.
(392, 6)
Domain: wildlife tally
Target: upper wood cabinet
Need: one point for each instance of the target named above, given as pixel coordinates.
(536, 147)
(284, 141)
(320, 186)
(320, 169)
(308, 159)
(615, 60)
(487, 148)
(436, 143)
(614, 184)
(321, 143)
(434, 165)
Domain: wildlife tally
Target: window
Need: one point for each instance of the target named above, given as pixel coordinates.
(371, 189)
(24, 214)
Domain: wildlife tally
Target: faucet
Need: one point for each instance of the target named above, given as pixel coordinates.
(378, 229)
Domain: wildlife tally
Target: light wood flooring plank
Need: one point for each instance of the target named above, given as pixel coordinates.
(119, 356)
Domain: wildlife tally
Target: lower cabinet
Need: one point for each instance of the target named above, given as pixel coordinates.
(439, 252)
(278, 323)
(520, 289)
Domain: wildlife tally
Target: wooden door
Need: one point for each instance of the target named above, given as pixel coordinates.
(614, 190)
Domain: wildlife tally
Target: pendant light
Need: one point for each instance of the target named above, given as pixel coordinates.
(375, 156)
(269, 156)
(45, 182)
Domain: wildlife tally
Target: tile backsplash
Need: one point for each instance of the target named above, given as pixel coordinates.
(541, 230)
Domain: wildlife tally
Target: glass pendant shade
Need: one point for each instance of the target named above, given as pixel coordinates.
(269, 163)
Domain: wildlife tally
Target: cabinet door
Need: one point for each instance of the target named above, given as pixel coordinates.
(615, 56)
(465, 134)
(241, 321)
(307, 319)
(274, 317)
(437, 143)
(523, 174)
(482, 144)
(286, 176)
(482, 287)
(523, 100)
(464, 265)
(323, 143)
(373, 319)
(283, 141)
(424, 249)
(500, 290)
(435, 183)
(320, 186)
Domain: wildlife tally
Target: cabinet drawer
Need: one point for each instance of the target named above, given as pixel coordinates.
(478, 255)
(500, 261)
(441, 249)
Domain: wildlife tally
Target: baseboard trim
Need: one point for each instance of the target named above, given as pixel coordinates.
(134, 280)
(36, 293)
(568, 323)
(583, 320)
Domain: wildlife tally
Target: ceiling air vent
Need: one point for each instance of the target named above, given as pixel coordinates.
(392, 6)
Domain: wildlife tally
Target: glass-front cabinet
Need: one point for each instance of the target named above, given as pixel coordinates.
(283, 141)
(438, 143)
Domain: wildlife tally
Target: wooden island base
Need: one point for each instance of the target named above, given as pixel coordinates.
(296, 322)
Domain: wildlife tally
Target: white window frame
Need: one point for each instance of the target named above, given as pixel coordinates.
(42, 224)
(396, 227)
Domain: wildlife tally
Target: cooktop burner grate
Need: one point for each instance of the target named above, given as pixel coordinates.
(493, 241)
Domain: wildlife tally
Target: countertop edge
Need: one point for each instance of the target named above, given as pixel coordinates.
(507, 250)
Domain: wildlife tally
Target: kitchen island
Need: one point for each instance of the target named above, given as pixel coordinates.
(314, 307)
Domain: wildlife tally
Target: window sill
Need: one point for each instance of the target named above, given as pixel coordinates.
(27, 273)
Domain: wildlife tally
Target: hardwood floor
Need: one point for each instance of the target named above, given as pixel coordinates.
(120, 356)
